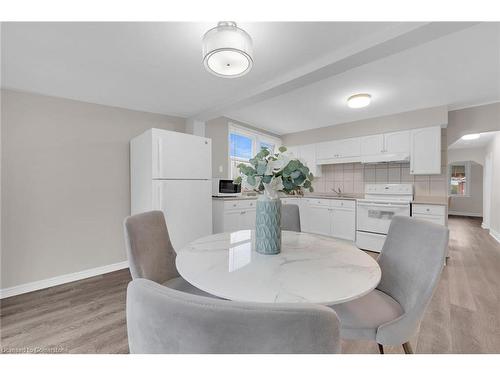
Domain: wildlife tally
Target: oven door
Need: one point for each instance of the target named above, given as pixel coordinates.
(376, 217)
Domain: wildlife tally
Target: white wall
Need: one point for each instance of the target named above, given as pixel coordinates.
(480, 119)
(475, 154)
(494, 152)
(65, 186)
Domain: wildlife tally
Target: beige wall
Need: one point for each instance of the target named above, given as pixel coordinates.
(478, 119)
(65, 186)
(217, 129)
(401, 121)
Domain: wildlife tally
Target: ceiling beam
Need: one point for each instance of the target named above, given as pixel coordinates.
(380, 45)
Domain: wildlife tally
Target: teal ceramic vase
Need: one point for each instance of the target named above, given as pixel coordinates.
(268, 225)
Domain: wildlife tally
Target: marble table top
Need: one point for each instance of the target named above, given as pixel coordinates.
(310, 268)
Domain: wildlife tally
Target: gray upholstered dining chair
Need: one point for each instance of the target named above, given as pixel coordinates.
(411, 260)
(290, 217)
(150, 252)
(164, 320)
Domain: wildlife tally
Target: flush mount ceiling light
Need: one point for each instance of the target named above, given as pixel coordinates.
(227, 50)
(359, 100)
(469, 137)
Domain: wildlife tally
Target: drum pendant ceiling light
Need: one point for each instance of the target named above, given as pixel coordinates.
(227, 50)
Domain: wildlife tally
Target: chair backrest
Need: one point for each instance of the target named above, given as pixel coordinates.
(290, 217)
(149, 250)
(164, 320)
(411, 260)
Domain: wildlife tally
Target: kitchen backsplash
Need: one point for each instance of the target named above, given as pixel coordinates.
(352, 177)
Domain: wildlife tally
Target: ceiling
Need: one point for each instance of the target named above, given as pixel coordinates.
(302, 75)
(459, 70)
(481, 142)
(157, 67)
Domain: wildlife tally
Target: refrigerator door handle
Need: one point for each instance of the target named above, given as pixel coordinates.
(158, 154)
(160, 205)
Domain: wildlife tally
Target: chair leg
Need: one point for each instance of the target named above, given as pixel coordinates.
(380, 348)
(407, 348)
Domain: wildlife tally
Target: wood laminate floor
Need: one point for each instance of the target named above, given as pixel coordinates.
(88, 316)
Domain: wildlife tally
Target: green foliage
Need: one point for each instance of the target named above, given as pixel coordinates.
(278, 172)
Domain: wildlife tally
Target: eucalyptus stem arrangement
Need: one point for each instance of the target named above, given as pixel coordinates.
(274, 173)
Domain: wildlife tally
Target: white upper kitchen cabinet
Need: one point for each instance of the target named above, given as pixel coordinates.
(397, 142)
(341, 151)
(187, 150)
(388, 143)
(425, 151)
(306, 154)
(372, 144)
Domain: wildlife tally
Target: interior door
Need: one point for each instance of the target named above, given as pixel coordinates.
(187, 206)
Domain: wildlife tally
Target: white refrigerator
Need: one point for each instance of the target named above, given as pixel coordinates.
(172, 172)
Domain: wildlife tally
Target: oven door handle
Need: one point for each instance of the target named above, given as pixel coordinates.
(387, 205)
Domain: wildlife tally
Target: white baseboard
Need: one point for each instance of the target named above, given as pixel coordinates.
(484, 226)
(63, 279)
(495, 234)
(461, 213)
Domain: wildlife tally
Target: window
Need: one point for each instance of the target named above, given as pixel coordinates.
(268, 145)
(244, 144)
(241, 146)
(458, 173)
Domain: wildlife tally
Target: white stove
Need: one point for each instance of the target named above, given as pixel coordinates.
(374, 213)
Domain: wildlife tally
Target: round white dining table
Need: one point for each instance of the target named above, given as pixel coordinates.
(310, 268)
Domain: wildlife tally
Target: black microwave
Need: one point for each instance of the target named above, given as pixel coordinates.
(225, 188)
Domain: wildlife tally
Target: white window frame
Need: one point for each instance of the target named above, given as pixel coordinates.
(256, 137)
(467, 165)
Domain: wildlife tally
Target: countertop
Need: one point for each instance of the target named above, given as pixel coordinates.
(441, 201)
(352, 197)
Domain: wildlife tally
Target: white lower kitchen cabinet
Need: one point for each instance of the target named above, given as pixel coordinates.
(233, 215)
(430, 212)
(330, 217)
(344, 223)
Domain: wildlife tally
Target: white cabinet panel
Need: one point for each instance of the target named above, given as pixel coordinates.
(432, 218)
(348, 148)
(308, 156)
(247, 219)
(326, 150)
(231, 221)
(342, 151)
(344, 223)
(320, 222)
(425, 151)
(398, 142)
(372, 145)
